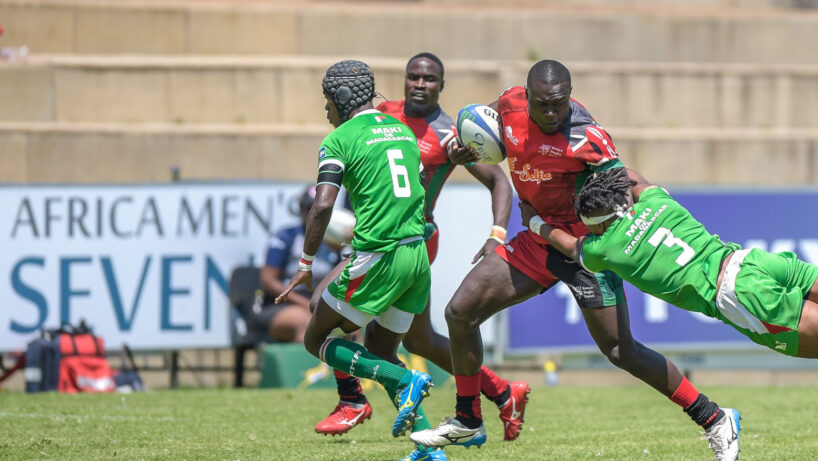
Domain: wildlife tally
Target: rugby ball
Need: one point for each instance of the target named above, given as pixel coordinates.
(478, 126)
(339, 229)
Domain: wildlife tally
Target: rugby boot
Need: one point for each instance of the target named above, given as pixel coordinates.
(513, 411)
(344, 417)
(408, 399)
(723, 436)
(450, 432)
(426, 454)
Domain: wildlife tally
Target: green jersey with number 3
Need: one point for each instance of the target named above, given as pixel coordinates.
(662, 250)
(381, 163)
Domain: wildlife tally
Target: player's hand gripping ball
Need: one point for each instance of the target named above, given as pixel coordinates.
(478, 126)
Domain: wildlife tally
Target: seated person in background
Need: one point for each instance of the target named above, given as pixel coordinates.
(287, 322)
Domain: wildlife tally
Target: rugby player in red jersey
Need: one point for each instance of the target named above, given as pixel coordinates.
(553, 143)
(434, 129)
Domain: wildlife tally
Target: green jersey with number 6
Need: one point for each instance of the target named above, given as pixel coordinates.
(662, 250)
(381, 163)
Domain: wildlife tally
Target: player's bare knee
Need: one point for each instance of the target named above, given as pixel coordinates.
(458, 318)
(613, 355)
(311, 346)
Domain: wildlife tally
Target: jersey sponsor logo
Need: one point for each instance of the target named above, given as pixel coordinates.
(528, 173)
(551, 151)
(322, 153)
(642, 224)
(387, 130)
(513, 139)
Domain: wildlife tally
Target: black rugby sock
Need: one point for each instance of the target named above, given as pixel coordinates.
(464, 411)
(704, 412)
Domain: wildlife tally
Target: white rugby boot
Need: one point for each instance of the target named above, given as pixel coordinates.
(723, 436)
(450, 432)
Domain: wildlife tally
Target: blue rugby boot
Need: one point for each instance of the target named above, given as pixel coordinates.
(408, 399)
(426, 454)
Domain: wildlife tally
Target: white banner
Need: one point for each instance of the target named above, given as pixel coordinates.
(149, 265)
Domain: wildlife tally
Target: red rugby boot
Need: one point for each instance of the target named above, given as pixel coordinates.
(512, 413)
(344, 417)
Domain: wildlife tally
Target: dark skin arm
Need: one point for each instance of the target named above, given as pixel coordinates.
(566, 243)
(272, 282)
(641, 184)
(317, 220)
(493, 177)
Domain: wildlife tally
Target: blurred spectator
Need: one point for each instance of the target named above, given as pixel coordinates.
(12, 53)
(287, 322)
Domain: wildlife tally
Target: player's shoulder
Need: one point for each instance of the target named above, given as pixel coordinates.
(513, 91)
(439, 119)
(393, 108)
(654, 191)
(512, 100)
(580, 117)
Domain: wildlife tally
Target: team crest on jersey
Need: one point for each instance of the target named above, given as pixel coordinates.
(511, 136)
(379, 118)
(551, 151)
(322, 152)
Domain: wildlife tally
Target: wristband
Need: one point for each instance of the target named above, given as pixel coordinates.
(535, 224)
(305, 264)
(498, 233)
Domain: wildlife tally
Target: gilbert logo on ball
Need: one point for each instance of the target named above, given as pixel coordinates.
(478, 125)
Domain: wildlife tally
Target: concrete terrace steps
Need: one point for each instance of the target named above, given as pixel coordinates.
(112, 153)
(286, 89)
(672, 31)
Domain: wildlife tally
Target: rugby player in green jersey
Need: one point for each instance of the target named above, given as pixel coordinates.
(387, 278)
(641, 234)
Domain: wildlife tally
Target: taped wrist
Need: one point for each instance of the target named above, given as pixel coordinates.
(535, 224)
(305, 264)
(498, 233)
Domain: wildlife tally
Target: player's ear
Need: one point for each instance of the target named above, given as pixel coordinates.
(442, 84)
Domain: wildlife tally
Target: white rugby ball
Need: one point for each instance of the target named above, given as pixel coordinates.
(339, 229)
(478, 125)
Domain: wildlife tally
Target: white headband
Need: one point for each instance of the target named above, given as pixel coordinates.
(619, 211)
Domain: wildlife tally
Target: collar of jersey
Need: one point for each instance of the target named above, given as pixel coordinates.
(368, 111)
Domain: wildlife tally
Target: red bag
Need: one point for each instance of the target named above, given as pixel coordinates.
(83, 367)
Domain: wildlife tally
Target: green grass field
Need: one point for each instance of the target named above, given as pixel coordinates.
(563, 423)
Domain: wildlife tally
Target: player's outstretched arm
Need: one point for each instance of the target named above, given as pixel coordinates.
(317, 221)
(566, 243)
(493, 177)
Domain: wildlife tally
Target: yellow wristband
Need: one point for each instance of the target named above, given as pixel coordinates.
(498, 233)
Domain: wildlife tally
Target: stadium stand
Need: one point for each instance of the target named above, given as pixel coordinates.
(215, 85)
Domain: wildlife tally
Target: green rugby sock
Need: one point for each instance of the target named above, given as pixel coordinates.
(354, 359)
